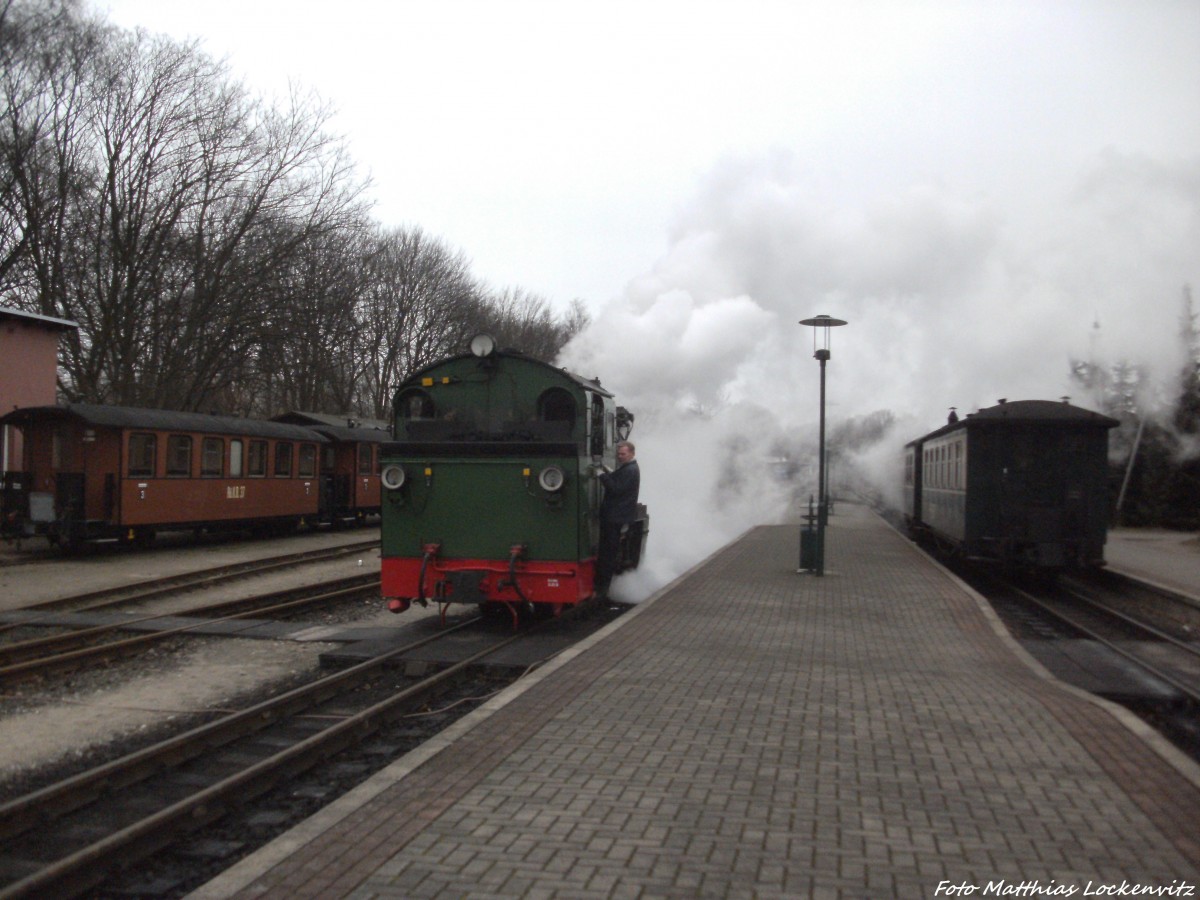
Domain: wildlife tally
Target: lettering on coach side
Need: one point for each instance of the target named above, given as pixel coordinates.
(235, 492)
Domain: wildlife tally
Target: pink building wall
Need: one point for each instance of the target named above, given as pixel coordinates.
(28, 371)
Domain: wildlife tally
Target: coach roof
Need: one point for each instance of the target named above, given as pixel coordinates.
(161, 420)
(1025, 412)
(341, 428)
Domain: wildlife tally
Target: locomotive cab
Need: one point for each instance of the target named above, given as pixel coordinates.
(489, 491)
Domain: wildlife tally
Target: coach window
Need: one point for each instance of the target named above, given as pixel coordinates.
(308, 461)
(142, 450)
(257, 461)
(179, 455)
(364, 459)
(328, 459)
(212, 457)
(235, 459)
(283, 459)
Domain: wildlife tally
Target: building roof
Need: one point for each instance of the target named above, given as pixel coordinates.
(47, 321)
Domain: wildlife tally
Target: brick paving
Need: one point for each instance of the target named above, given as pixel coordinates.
(753, 732)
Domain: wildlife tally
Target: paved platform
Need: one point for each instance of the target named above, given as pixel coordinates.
(754, 732)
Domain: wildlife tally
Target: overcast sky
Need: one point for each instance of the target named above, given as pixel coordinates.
(973, 185)
(1021, 164)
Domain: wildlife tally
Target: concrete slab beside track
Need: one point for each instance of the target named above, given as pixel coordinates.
(754, 732)
(1167, 558)
(54, 575)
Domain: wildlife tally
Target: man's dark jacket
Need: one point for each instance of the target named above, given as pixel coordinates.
(620, 493)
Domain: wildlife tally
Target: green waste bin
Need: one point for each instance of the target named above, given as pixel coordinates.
(808, 548)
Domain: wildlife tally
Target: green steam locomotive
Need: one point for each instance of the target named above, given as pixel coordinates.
(490, 491)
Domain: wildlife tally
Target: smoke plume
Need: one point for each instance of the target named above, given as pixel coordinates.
(951, 299)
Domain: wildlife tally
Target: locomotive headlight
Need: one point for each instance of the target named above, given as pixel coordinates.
(483, 345)
(392, 477)
(552, 478)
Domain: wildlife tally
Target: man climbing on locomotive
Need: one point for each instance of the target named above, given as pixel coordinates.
(618, 509)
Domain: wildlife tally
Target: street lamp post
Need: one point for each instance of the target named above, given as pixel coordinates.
(821, 325)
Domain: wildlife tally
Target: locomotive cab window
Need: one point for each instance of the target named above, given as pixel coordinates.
(308, 461)
(283, 459)
(556, 407)
(415, 404)
(257, 463)
(142, 451)
(597, 425)
(179, 455)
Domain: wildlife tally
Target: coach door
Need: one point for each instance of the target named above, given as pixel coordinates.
(68, 496)
(327, 498)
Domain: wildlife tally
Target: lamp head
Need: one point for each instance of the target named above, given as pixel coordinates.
(821, 325)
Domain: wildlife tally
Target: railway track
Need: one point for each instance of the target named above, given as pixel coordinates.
(90, 645)
(1168, 658)
(154, 588)
(1114, 636)
(67, 837)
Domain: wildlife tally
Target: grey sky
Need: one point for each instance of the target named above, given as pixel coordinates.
(972, 185)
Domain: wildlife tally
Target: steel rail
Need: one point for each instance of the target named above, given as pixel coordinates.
(36, 648)
(89, 865)
(1187, 690)
(157, 587)
(1187, 646)
(72, 659)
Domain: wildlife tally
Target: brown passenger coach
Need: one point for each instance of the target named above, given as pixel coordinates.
(94, 473)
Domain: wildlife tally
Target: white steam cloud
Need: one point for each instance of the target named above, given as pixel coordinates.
(952, 300)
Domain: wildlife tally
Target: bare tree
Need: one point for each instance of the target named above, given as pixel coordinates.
(309, 358)
(45, 54)
(216, 251)
(175, 200)
(420, 304)
(524, 321)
